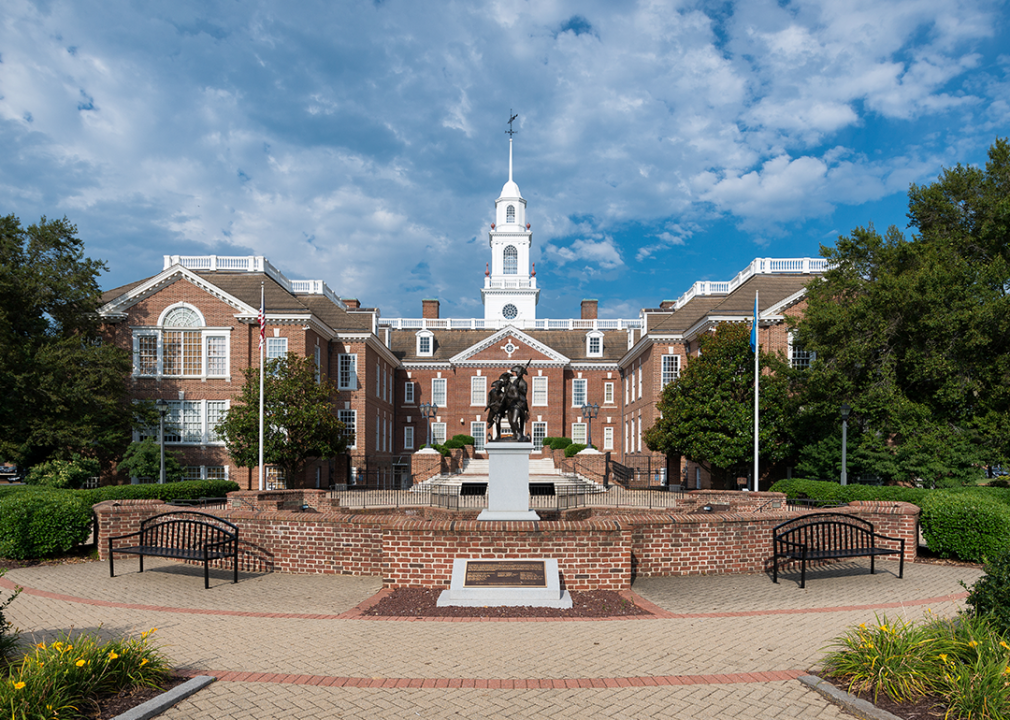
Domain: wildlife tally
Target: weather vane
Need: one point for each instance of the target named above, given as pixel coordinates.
(510, 132)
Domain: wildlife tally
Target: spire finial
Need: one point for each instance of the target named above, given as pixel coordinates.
(510, 132)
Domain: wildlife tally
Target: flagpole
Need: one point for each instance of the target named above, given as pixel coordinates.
(262, 324)
(757, 375)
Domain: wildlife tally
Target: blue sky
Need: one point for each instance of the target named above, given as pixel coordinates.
(364, 143)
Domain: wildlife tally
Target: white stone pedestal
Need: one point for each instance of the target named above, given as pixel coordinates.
(548, 594)
(508, 484)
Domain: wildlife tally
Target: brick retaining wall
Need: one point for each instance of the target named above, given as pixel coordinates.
(416, 547)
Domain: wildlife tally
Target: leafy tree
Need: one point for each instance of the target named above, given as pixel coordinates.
(299, 423)
(143, 460)
(64, 392)
(915, 333)
(63, 474)
(708, 413)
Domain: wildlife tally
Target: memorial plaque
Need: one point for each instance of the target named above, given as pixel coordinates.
(505, 573)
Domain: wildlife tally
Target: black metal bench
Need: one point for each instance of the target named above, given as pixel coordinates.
(182, 535)
(829, 536)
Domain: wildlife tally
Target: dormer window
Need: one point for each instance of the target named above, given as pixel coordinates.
(594, 344)
(510, 214)
(511, 260)
(425, 343)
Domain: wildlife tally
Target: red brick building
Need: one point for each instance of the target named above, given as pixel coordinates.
(192, 329)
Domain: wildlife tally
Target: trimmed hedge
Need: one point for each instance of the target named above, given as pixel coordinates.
(969, 523)
(559, 443)
(38, 522)
(574, 449)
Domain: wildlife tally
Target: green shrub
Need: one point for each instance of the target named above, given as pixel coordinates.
(188, 490)
(574, 448)
(463, 439)
(8, 635)
(442, 449)
(63, 474)
(989, 596)
(967, 527)
(38, 523)
(547, 442)
(453, 444)
(560, 443)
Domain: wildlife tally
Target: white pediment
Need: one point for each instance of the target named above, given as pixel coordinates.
(505, 339)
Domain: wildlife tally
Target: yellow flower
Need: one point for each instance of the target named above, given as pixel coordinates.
(143, 662)
(18, 685)
(1004, 644)
(943, 657)
(884, 628)
(113, 655)
(81, 663)
(972, 644)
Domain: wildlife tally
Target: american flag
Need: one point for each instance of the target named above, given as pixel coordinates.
(263, 322)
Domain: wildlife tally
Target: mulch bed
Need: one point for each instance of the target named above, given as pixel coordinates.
(928, 707)
(421, 602)
(109, 706)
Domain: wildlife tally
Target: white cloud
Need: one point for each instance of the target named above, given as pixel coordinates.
(364, 143)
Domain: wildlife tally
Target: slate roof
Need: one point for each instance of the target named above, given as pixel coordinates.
(771, 289)
(245, 286)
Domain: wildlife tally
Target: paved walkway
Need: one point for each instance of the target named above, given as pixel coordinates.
(295, 646)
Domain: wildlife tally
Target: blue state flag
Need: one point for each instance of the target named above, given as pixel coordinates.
(754, 327)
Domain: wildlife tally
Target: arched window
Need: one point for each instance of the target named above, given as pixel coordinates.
(510, 214)
(511, 260)
(183, 317)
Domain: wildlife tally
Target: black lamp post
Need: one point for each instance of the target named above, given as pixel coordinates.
(428, 412)
(162, 406)
(588, 413)
(845, 427)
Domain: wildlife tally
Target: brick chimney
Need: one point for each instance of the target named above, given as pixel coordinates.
(589, 309)
(352, 303)
(429, 309)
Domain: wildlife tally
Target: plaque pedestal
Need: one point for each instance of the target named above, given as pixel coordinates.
(496, 583)
(508, 483)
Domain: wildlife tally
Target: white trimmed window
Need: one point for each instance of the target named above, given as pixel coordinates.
(510, 214)
(799, 358)
(639, 380)
(539, 391)
(579, 433)
(425, 343)
(276, 348)
(438, 391)
(579, 392)
(408, 392)
(479, 432)
(378, 381)
(538, 435)
(511, 260)
(317, 356)
(671, 369)
(438, 433)
(478, 390)
(350, 420)
(594, 344)
(181, 346)
(408, 437)
(347, 372)
(608, 438)
(608, 393)
(191, 422)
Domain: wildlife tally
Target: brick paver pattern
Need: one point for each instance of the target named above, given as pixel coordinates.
(295, 646)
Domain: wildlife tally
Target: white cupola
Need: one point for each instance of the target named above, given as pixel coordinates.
(510, 291)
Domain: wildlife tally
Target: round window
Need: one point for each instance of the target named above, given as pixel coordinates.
(509, 312)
